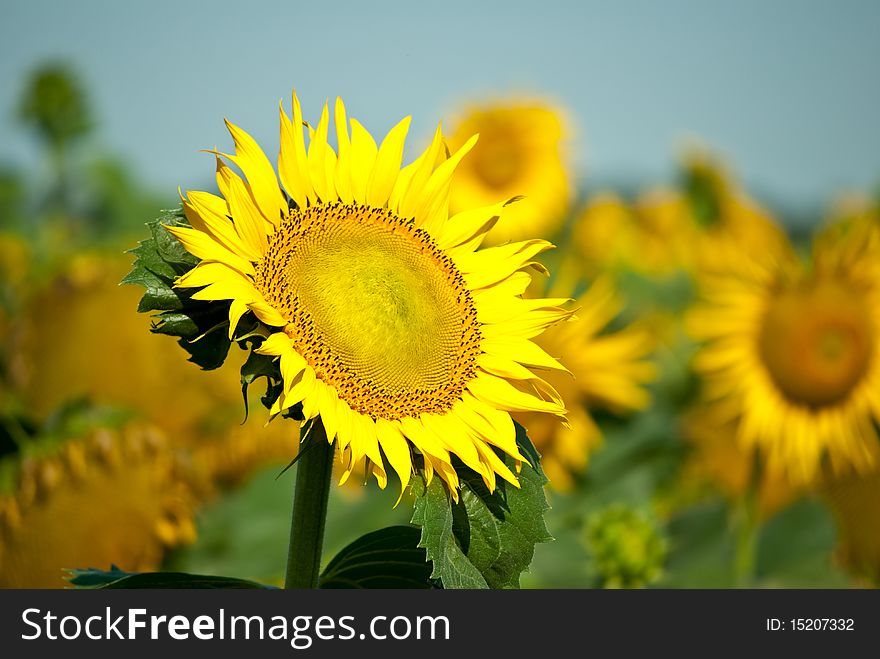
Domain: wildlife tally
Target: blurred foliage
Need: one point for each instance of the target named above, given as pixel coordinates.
(55, 106)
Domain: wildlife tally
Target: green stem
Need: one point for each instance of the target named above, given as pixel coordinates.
(309, 516)
(749, 527)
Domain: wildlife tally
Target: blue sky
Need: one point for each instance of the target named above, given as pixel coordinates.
(787, 90)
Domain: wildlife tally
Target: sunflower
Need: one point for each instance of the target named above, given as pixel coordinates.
(608, 370)
(521, 152)
(55, 362)
(790, 355)
(113, 498)
(855, 218)
(653, 236)
(388, 322)
(703, 226)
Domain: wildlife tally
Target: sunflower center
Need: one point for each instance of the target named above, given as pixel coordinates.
(816, 342)
(374, 306)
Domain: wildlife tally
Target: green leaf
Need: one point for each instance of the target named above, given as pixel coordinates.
(485, 540)
(200, 325)
(116, 578)
(433, 512)
(388, 558)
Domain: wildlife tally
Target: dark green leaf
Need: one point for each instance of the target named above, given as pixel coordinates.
(485, 540)
(200, 325)
(116, 578)
(388, 558)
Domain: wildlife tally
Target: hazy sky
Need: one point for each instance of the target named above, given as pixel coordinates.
(789, 91)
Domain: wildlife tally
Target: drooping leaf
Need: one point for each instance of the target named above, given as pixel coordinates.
(387, 558)
(116, 579)
(486, 539)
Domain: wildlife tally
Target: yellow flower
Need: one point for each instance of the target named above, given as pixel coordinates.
(520, 152)
(78, 336)
(791, 351)
(112, 498)
(388, 321)
(730, 221)
(855, 219)
(608, 369)
(701, 228)
(653, 236)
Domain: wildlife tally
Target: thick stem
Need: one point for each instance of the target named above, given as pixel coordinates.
(310, 496)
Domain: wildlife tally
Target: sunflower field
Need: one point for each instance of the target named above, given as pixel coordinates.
(447, 359)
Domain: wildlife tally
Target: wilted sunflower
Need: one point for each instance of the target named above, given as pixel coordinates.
(113, 498)
(791, 351)
(608, 370)
(521, 152)
(388, 322)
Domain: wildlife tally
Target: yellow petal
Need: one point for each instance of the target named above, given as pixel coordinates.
(204, 214)
(387, 167)
(396, 449)
(293, 164)
(363, 157)
(260, 174)
(247, 218)
(267, 313)
(522, 351)
(466, 225)
(435, 194)
(408, 190)
(318, 159)
(502, 394)
(275, 344)
(201, 245)
(236, 310)
(492, 265)
(343, 161)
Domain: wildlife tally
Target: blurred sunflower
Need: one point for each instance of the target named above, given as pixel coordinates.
(855, 219)
(790, 351)
(653, 236)
(700, 227)
(100, 343)
(112, 498)
(730, 220)
(607, 369)
(387, 321)
(521, 152)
